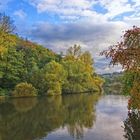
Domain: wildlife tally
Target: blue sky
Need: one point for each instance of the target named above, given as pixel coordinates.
(58, 24)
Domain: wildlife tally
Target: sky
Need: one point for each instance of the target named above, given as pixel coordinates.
(59, 24)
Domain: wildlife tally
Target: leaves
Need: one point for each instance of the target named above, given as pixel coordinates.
(127, 51)
(79, 66)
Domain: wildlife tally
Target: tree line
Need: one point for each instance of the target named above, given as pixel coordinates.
(29, 69)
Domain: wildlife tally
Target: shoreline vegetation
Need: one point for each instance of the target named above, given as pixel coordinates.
(127, 53)
(28, 69)
(113, 83)
(2, 98)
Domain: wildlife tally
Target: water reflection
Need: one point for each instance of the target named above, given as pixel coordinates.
(24, 105)
(132, 122)
(70, 117)
(32, 118)
(132, 125)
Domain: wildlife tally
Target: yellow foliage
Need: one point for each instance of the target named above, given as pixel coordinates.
(24, 90)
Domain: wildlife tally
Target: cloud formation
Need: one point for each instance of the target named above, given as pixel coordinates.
(69, 8)
(75, 9)
(91, 36)
(94, 24)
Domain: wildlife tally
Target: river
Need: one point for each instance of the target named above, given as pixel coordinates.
(68, 117)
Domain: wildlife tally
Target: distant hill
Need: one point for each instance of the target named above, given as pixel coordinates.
(113, 83)
(111, 75)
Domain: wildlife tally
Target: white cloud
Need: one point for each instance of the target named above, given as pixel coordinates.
(90, 35)
(84, 8)
(54, 5)
(80, 24)
(20, 13)
(66, 9)
(132, 21)
(136, 3)
(116, 7)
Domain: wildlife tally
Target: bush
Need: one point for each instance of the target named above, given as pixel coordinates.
(24, 90)
(3, 92)
(54, 89)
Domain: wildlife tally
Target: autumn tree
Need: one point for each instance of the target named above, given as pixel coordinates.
(127, 53)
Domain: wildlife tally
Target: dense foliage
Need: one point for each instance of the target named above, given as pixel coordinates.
(80, 73)
(49, 73)
(113, 83)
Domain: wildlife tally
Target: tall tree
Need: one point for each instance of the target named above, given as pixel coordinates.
(81, 74)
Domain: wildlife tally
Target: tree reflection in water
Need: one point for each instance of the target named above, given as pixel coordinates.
(32, 118)
(132, 122)
(132, 125)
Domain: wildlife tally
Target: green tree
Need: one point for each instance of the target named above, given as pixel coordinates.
(38, 80)
(55, 77)
(25, 61)
(12, 68)
(81, 74)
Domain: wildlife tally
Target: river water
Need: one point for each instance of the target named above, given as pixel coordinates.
(69, 117)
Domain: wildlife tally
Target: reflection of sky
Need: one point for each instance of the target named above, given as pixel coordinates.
(111, 111)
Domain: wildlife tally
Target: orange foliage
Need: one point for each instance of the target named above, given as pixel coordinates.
(127, 51)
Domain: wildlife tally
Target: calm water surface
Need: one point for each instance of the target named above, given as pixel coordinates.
(71, 117)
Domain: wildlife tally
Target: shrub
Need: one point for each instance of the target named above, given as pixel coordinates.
(54, 89)
(24, 90)
(3, 92)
